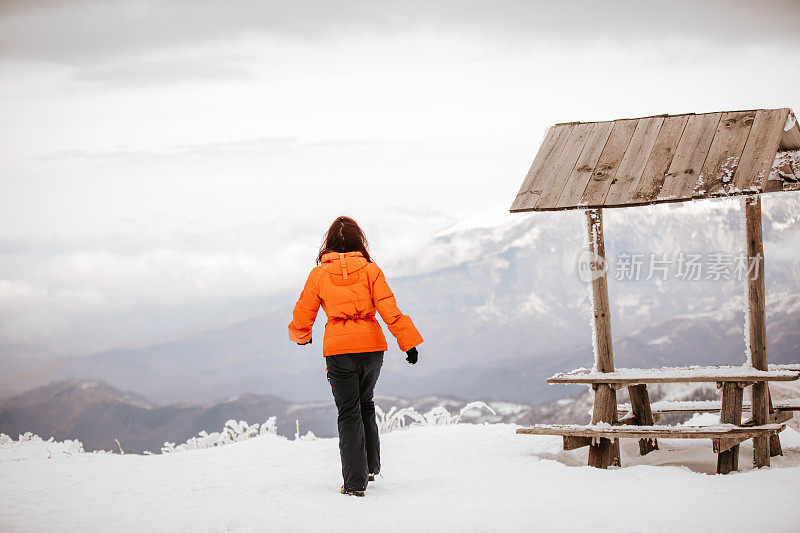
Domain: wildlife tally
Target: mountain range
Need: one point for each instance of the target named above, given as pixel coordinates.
(501, 308)
(105, 418)
(101, 416)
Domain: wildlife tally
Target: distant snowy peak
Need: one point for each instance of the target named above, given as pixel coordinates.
(709, 225)
(79, 391)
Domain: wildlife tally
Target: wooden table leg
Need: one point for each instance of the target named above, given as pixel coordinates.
(604, 452)
(731, 413)
(760, 410)
(642, 415)
(775, 440)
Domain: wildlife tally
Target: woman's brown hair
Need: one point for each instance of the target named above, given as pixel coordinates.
(344, 236)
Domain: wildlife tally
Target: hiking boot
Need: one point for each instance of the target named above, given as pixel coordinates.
(359, 493)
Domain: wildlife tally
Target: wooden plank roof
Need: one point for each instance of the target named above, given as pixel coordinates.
(664, 158)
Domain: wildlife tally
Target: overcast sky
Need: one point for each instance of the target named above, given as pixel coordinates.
(191, 153)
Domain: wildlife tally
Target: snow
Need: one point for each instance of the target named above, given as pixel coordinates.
(233, 431)
(660, 340)
(697, 405)
(590, 242)
(789, 366)
(488, 219)
(441, 478)
(784, 168)
(707, 405)
(746, 285)
(29, 446)
(791, 120)
(506, 408)
(677, 372)
(783, 165)
(607, 428)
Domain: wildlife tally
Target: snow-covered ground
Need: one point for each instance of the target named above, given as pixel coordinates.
(442, 478)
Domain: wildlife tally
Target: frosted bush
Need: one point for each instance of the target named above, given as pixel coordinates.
(270, 427)
(28, 445)
(237, 431)
(29, 437)
(233, 431)
(438, 416)
(69, 446)
(473, 405)
(395, 418)
(308, 436)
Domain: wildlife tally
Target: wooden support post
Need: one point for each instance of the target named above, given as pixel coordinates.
(731, 413)
(774, 440)
(643, 416)
(600, 303)
(757, 334)
(604, 452)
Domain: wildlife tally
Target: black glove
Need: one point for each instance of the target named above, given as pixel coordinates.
(304, 343)
(412, 356)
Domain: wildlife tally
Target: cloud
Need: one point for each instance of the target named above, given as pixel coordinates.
(164, 71)
(27, 316)
(78, 33)
(258, 145)
(86, 300)
(141, 199)
(66, 298)
(255, 144)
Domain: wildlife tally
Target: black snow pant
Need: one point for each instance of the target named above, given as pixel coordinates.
(352, 377)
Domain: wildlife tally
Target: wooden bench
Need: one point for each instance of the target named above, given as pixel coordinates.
(706, 406)
(725, 437)
(783, 409)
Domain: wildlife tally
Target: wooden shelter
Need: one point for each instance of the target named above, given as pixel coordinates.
(656, 159)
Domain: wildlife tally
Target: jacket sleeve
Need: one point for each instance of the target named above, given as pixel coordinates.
(400, 325)
(305, 311)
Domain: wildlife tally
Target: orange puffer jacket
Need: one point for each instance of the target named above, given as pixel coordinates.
(350, 290)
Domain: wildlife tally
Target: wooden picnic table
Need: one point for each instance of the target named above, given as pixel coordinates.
(638, 421)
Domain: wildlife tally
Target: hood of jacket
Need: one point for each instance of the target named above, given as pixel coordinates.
(343, 264)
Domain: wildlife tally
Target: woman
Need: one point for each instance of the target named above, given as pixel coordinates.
(350, 288)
